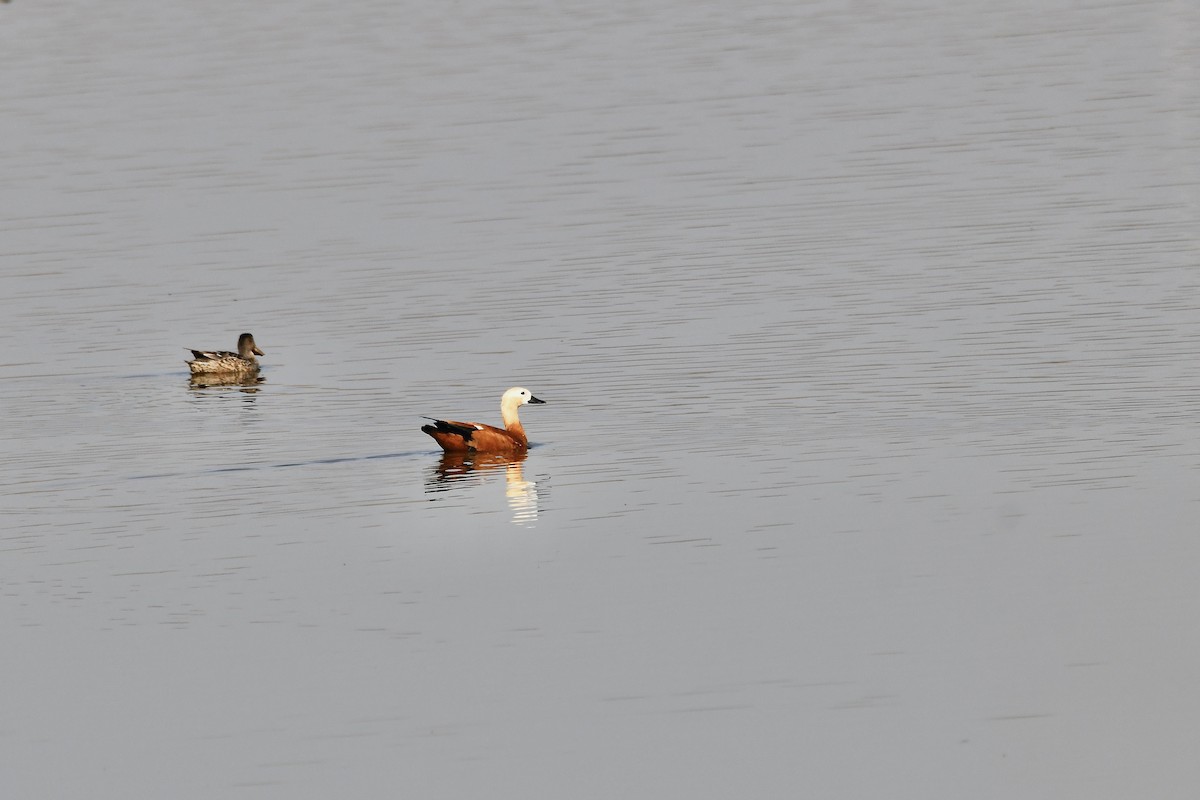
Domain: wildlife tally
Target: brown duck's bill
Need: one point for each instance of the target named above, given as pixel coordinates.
(258, 352)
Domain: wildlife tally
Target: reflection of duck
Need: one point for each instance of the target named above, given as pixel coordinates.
(458, 469)
(462, 437)
(252, 379)
(223, 362)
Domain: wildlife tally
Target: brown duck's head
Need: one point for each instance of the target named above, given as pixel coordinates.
(247, 347)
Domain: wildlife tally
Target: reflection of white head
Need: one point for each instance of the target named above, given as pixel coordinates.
(522, 496)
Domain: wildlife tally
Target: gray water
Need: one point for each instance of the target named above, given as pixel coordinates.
(868, 467)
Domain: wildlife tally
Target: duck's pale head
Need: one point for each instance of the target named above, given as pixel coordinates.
(518, 396)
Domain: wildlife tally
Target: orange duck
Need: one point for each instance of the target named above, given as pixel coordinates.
(462, 437)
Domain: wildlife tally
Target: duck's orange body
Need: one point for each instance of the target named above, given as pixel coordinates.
(463, 437)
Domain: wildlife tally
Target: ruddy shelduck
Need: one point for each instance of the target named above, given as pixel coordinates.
(462, 437)
(224, 362)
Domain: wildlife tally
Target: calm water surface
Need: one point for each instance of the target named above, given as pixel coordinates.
(867, 332)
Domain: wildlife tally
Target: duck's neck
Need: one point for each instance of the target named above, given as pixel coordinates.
(517, 432)
(508, 413)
